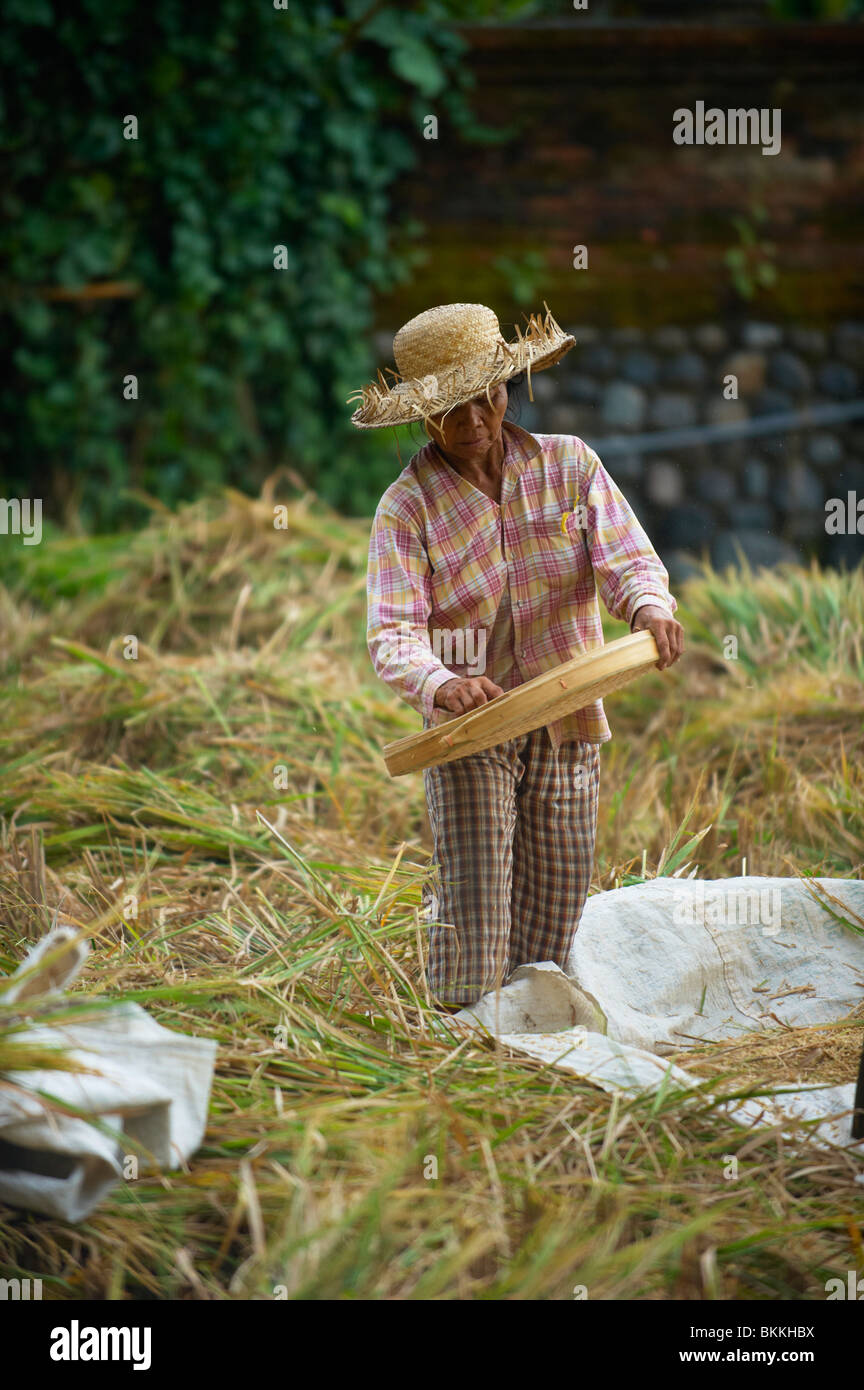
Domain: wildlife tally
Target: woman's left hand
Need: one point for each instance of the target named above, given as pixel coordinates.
(667, 633)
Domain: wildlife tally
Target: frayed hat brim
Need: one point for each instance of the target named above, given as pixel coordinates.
(408, 401)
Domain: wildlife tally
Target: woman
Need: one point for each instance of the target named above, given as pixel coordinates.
(494, 541)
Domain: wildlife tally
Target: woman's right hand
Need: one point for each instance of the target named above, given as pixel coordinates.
(459, 696)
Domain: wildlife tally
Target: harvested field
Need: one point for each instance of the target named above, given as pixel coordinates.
(216, 814)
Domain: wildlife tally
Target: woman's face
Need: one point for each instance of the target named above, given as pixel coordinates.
(469, 431)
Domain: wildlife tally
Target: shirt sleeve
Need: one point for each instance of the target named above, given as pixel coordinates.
(628, 570)
(399, 606)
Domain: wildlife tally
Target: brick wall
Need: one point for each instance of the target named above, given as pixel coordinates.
(588, 159)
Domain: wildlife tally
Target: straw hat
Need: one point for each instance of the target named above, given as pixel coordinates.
(449, 355)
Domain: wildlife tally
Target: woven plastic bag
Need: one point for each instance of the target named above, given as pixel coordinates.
(142, 1103)
(659, 964)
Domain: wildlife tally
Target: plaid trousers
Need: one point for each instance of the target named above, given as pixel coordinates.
(513, 831)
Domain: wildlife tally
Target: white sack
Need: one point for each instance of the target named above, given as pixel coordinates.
(149, 1083)
(648, 953)
(644, 959)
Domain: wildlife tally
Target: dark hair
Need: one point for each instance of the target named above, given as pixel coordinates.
(514, 397)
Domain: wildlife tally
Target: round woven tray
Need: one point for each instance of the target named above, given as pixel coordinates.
(540, 701)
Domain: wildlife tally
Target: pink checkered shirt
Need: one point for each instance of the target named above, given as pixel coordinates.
(442, 554)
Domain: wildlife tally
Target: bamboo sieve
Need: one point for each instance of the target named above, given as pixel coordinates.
(554, 694)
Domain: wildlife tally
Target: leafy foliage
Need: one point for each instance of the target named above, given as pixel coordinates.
(750, 263)
(257, 127)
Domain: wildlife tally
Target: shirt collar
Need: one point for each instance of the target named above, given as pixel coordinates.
(520, 443)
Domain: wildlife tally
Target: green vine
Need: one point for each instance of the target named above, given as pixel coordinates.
(155, 258)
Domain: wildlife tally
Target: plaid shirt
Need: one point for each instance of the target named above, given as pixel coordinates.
(442, 554)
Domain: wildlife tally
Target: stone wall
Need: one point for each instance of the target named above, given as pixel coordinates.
(769, 493)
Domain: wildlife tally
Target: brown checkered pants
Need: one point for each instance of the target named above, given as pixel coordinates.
(513, 832)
